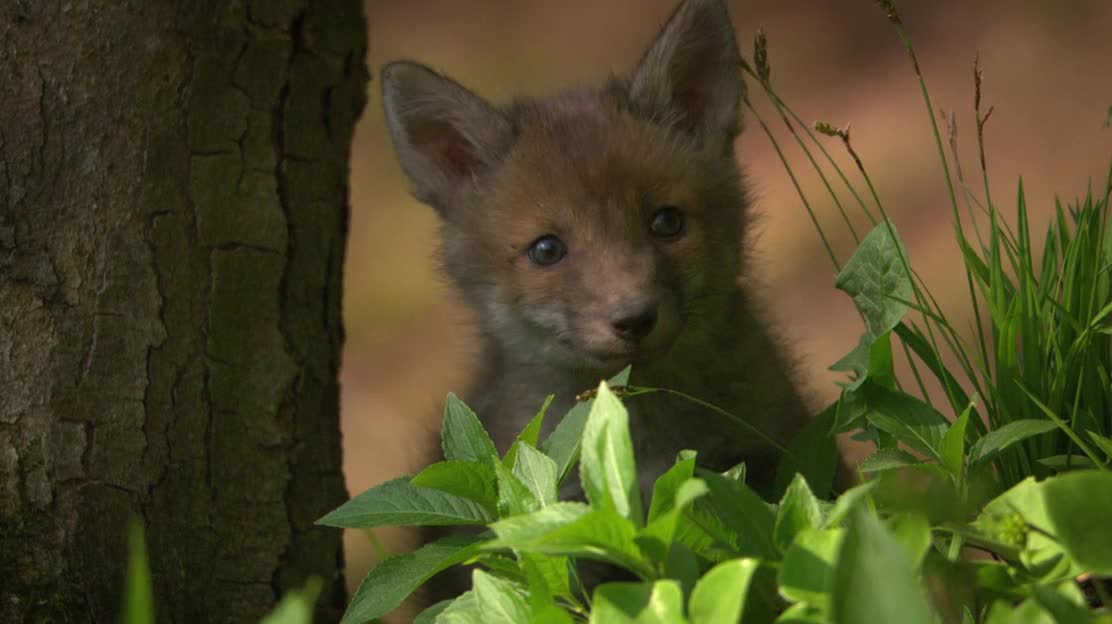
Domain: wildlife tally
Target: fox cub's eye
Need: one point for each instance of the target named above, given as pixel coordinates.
(667, 222)
(547, 250)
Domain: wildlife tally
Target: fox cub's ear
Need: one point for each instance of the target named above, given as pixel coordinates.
(691, 74)
(444, 134)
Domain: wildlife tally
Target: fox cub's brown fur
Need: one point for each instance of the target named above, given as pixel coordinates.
(601, 227)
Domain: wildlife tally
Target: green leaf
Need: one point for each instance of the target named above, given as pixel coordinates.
(913, 531)
(564, 443)
(1028, 612)
(750, 519)
(877, 279)
(472, 480)
(951, 449)
(870, 359)
(463, 436)
(530, 434)
(888, 459)
(719, 597)
(513, 495)
(537, 471)
(847, 503)
(573, 529)
(547, 577)
(799, 510)
(606, 468)
(874, 579)
(1079, 507)
(1105, 444)
(463, 610)
(656, 538)
(813, 453)
(807, 573)
(430, 614)
(296, 607)
(666, 485)
(138, 595)
(906, 418)
(1062, 608)
(638, 603)
(500, 601)
(1006, 435)
(393, 580)
(802, 613)
(397, 502)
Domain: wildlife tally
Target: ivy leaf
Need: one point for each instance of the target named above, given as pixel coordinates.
(659, 602)
(500, 601)
(537, 471)
(469, 479)
(1004, 436)
(877, 279)
(799, 510)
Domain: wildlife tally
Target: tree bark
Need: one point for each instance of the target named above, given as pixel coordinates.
(173, 213)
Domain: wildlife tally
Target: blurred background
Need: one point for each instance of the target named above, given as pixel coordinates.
(1048, 72)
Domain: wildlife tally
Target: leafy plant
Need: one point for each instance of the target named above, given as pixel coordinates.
(707, 549)
(991, 505)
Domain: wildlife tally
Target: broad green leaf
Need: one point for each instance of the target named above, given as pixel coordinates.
(807, 572)
(888, 459)
(397, 502)
(1006, 435)
(877, 279)
(870, 359)
(1064, 610)
(813, 453)
(530, 434)
(547, 577)
(573, 529)
(463, 610)
(847, 503)
(638, 603)
(719, 597)
(906, 418)
(564, 443)
(472, 480)
(742, 510)
(1079, 507)
(656, 537)
(463, 436)
(913, 531)
(1009, 518)
(606, 468)
(1028, 612)
(537, 471)
(798, 510)
(138, 595)
(500, 601)
(874, 579)
(513, 495)
(393, 580)
(429, 615)
(951, 450)
(666, 485)
(296, 607)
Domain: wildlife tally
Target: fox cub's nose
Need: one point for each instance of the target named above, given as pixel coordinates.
(634, 321)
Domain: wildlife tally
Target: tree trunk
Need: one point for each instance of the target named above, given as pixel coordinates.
(173, 212)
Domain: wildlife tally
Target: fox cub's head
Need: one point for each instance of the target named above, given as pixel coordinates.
(596, 227)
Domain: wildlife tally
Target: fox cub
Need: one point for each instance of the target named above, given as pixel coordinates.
(603, 227)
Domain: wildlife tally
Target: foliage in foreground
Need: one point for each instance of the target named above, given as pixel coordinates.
(708, 549)
(993, 507)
